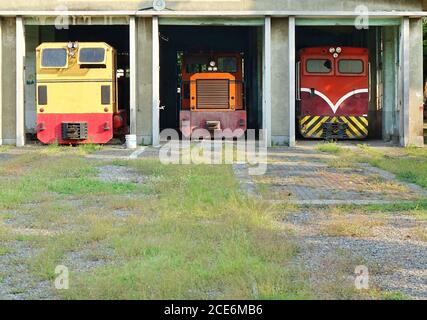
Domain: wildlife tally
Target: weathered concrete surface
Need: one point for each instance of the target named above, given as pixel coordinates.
(8, 80)
(304, 176)
(416, 118)
(280, 81)
(144, 80)
(326, 5)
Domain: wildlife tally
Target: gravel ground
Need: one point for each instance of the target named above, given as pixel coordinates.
(16, 282)
(398, 262)
(119, 174)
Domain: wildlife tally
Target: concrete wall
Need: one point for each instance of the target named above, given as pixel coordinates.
(322, 5)
(8, 80)
(416, 83)
(390, 117)
(279, 81)
(144, 81)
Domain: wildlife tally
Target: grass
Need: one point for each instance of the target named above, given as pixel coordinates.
(186, 233)
(330, 147)
(5, 251)
(408, 164)
(70, 176)
(203, 241)
(5, 148)
(417, 209)
(420, 233)
(356, 226)
(83, 149)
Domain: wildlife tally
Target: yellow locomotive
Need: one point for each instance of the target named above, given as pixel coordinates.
(77, 93)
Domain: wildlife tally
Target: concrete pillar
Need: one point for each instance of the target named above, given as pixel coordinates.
(8, 80)
(1, 86)
(267, 79)
(411, 83)
(133, 74)
(144, 112)
(280, 86)
(404, 80)
(390, 124)
(416, 116)
(292, 80)
(156, 81)
(20, 76)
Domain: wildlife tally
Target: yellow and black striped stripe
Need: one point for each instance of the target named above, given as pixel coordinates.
(313, 126)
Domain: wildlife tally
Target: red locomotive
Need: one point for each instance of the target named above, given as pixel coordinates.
(212, 94)
(333, 92)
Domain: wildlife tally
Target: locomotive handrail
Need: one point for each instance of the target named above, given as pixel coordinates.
(369, 82)
(298, 81)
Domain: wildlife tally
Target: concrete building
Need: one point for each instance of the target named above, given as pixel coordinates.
(269, 32)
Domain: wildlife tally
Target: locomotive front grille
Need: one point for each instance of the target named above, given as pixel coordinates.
(213, 94)
(74, 131)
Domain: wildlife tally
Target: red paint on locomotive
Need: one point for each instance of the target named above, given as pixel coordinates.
(333, 86)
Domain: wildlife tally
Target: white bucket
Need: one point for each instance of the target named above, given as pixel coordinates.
(131, 141)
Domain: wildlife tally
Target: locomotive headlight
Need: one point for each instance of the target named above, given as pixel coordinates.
(212, 64)
(336, 55)
(339, 50)
(215, 69)
(331, 50)
(210, 69)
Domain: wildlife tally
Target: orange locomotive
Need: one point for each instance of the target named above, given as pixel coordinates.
(212, 94)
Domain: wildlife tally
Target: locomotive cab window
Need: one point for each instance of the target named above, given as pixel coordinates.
(196, 67)
(227, 64)
(353, 66)
(92, 56)
(54, 58)
(319, 66)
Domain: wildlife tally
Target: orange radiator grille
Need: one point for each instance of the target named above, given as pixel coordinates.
(213, 94)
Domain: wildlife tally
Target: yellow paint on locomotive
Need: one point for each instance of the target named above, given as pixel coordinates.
(77, 86)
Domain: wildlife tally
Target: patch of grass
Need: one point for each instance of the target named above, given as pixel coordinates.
(408, 164)
(330, 147)
(83, 149)
(90, 148)
(420, 233)
(393, 296)
(5, 148)
(358, 226)
(417, 209)
(342, 163)
(5, 233)
(26, 238)
(202, 240)
(5, 251)
(66, 175)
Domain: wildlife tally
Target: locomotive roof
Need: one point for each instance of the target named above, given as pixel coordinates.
(325, 49)
(65, 44)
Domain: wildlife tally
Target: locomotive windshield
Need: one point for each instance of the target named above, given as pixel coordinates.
(319, 66)
(227, 64)
(197, 67)
(351, 66)
(54, 58)
(92, 55)
(201, 64)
